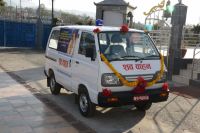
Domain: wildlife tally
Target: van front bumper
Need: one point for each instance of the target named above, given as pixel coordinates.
(126, 98)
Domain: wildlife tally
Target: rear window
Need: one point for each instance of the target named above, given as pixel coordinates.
(53, 42)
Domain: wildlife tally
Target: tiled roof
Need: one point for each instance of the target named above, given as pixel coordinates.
(113, 2)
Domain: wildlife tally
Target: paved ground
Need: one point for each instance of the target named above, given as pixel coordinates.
(21, 112)
(180, 114)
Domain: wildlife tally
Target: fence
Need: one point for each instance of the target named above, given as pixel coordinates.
(162, 39)
(21, 34)
(195, 61)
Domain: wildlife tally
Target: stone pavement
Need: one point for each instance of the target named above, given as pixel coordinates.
(22, 112)
(180, 114)
(184, 90)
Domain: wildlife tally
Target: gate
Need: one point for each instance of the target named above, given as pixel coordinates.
(1, 33)
(21, 34)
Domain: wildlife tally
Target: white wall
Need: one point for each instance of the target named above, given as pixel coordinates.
(111, 18)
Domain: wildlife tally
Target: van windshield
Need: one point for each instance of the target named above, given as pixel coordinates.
(116, 45)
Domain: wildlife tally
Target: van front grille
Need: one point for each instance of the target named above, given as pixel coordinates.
(148, 77)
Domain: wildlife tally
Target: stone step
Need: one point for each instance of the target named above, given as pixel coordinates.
(181, 79)
(195, 83)
(188, 72)
(197, 61)
(196, 66)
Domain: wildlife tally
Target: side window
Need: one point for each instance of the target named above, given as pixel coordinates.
(103, 39)
(87, 41)
(53, 42)
(67, 40)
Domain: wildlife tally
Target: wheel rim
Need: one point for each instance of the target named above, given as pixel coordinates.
(52, 83)
(83, 102)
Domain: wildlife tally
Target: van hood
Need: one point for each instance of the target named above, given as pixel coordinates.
(134, 68)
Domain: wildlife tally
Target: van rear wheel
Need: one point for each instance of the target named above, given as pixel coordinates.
(54, 86)
(143, 106)
(86, 107)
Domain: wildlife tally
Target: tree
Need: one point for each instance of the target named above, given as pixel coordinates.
(196, 29)
(156, 26)
(2, 3)
(44, 12)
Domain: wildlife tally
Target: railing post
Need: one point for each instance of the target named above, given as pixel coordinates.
(193, 63)
(194, 54)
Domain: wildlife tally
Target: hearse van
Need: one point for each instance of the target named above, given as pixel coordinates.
(106, 67)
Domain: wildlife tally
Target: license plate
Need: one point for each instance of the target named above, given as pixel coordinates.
(140, 98)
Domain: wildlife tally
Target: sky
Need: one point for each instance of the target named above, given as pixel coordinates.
(87, 6)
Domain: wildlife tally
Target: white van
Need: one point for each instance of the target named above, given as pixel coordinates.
(105, 66)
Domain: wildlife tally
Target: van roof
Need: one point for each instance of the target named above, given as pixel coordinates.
(91, 28)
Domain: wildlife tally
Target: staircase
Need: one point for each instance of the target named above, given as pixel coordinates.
(185, 75)
(196, 77)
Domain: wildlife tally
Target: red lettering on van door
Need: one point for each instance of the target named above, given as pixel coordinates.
(64, 63)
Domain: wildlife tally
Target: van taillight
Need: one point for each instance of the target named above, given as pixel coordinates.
(165, 87)
(106, 92)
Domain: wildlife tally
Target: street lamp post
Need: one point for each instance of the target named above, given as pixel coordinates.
(39, 10)
(39, 29)
(20, 5)
(52, 13)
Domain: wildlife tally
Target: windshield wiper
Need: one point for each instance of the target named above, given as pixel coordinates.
(115, 59)
(137, 58)
(151, 56)
(133, 56)
(142, 58)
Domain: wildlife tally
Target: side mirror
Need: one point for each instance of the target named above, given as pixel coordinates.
(90, 53)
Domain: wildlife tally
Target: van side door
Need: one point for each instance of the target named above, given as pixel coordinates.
(66, 43)
(52, 54)
(85, 69)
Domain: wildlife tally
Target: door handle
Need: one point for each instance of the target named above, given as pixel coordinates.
(77, 62)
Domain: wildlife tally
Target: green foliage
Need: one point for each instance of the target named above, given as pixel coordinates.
(138, 26)
(2, 3)
(196, 29)
(156, 26)
(69, 18)
(61, 17)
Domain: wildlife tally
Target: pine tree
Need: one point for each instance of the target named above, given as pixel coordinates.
(2, 3)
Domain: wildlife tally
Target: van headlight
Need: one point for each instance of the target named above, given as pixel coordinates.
(109, 80)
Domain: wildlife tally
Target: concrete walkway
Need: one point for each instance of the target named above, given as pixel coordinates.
(21, 112)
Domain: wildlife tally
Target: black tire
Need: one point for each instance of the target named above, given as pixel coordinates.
(54, 86)
(143, 106)
(86, 107)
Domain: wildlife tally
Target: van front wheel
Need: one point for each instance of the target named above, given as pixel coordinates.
(54, 86)
(86, 107)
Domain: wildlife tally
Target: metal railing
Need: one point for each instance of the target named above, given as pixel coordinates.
(193, 62)
(162, 40)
